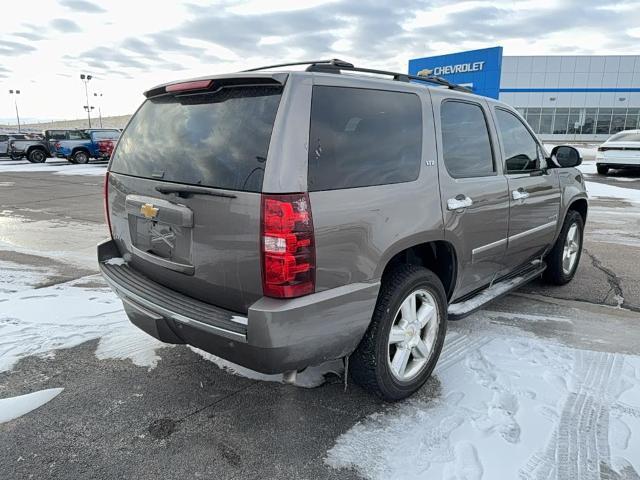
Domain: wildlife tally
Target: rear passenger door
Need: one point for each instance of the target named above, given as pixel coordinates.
(534, 191)
(473, 190)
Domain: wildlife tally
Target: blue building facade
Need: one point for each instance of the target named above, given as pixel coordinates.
(478, 69)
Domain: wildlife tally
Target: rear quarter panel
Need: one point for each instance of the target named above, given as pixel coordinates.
(358, 230)
(572, 188)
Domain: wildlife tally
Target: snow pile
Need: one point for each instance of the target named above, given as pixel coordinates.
(55, 166)
(14, 407)
(550, 411)
(40, 321)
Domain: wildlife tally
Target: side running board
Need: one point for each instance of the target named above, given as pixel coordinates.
(462, 309)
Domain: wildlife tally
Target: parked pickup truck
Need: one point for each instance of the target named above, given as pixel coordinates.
(89, 146)
(313, 216)
(5, 140)
(37, 150)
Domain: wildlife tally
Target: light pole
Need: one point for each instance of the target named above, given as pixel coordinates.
(15, 101)
(99, 106)
(85, 79)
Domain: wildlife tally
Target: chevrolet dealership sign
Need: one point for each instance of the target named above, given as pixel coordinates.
(449, 69)
(479, 69)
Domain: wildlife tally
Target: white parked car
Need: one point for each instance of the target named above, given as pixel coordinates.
(622, 150)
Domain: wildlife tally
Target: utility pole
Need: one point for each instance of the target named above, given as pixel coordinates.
(15, 101)
(85, 79)
(99, 106)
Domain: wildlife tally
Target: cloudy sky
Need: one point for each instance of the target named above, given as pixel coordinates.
(129, 46)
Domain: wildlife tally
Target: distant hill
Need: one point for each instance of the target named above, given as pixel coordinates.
(107, 122)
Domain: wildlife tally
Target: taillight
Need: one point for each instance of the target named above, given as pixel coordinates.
(184, 86)
(106, 203)
(288, 246)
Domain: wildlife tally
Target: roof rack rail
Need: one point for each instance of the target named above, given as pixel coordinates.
(336, 65)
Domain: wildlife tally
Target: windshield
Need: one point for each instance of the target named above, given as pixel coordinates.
(215, 139)
(625, 137)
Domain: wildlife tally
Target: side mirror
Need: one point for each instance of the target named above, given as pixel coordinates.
(564, 156)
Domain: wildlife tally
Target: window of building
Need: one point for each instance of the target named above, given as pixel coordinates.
(581, 121)
(603, 125)
(546, 121)
(520, 148)
(631, 122)
(588, 123)
(560, 121)
(465, 140)
(361, 137)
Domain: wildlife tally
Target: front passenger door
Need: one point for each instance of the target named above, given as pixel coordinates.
(534, 191)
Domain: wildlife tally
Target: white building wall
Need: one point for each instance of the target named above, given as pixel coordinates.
(549, 91)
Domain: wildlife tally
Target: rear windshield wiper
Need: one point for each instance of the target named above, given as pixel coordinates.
(188, 190)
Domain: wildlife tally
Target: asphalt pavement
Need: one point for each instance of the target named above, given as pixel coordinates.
(187, 418)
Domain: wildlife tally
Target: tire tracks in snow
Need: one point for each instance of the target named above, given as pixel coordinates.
(579, 444)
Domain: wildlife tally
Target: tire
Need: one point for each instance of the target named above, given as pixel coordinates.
(37, 155)
(81, 157)
(71, 160)
(371, 363)
(602, 169)
(557, 272)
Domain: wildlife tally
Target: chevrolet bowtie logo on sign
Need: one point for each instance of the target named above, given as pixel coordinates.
(149, 211)
(425, 72)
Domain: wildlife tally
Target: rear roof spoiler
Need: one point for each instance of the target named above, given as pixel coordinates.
(216, 81)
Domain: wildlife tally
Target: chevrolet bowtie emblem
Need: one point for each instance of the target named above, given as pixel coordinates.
(149, 211)
(425, 72)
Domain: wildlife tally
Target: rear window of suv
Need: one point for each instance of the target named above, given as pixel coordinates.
(362, 137)
(214, 139)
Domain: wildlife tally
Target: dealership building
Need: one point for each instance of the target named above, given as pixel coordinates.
(573, 97)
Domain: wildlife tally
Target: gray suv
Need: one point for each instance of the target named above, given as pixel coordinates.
(283, 219)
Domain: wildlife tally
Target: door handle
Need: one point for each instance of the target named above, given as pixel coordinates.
(459, 203)
(519, 194)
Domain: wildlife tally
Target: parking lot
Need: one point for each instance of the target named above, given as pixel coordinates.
(543, 383)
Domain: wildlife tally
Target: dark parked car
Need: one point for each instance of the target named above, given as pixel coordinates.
(283, 219)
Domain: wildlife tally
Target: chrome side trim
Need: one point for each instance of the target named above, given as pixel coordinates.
(132, 297)
(488, 246)
(537, 229)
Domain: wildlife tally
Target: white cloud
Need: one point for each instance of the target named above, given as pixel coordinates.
(131, 46)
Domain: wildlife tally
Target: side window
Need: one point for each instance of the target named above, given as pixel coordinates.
(4, 138)
(521, 150)
(76, 136)
(466, 146)
(361, 137)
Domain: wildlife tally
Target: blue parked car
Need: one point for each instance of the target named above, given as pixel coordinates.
(89, 145)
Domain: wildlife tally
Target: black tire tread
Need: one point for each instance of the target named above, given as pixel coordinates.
(363, 362)
(554, 274)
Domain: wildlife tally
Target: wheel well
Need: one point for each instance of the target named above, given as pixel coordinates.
(438, 256)
(581, 207)
(80, 149)
(31, 149)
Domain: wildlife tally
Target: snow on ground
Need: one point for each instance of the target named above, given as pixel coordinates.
(595, 189)
(506, 408)
(14, 407)
(40, 321)
(17, 276)
(55, 165)
(51, 238)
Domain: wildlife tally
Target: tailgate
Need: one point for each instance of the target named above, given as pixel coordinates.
(184, 191)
